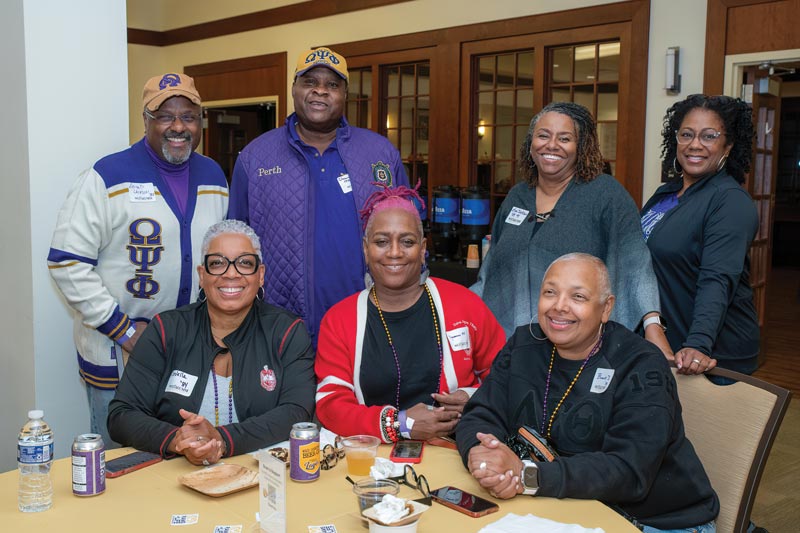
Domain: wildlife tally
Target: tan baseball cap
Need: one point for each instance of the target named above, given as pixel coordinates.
(321, 57)
(159, 88)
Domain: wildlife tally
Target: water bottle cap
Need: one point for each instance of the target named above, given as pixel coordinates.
(36, 414)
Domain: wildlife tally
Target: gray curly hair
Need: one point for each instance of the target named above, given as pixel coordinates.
(236, 227)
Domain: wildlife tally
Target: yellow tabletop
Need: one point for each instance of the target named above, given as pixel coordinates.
(145, 500)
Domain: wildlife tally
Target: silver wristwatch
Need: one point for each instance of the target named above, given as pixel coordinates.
(529, 476)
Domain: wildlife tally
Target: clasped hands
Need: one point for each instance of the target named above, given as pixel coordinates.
(430, 422)
(197, 440)
(495, 467)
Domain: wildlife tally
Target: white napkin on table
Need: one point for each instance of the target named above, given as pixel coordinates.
(512, 523)
(384, 468)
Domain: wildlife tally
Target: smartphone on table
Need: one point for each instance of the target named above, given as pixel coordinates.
(130, 462)
(407, 451)
(464, 502)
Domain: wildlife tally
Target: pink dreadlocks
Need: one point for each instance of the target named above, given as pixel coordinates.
(400, 197)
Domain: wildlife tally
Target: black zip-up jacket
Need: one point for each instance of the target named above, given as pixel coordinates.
(145, 416)
(700, 257)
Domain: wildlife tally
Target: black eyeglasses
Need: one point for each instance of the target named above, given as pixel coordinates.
(165, 119)
(332, 454)
(245, 264)
(411, 479)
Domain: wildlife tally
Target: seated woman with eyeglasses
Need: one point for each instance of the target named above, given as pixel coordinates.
(224, 376)
(401, 358)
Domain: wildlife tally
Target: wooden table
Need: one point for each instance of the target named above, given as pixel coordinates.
(144, 501)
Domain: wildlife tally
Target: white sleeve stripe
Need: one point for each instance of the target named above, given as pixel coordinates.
(333, 380)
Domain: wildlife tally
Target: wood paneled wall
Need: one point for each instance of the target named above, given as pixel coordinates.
(746, 26)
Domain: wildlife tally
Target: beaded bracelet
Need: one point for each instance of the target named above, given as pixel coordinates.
(390, 425)
(381, 426)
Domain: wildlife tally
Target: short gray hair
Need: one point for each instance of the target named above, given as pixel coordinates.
(236, 227)
(603, 278)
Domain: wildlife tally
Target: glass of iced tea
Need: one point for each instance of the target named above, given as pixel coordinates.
(360, 452)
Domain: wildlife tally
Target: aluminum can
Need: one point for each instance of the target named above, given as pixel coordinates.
(304, 452)
(88, 465)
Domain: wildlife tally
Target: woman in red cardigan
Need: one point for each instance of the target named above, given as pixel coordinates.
(401, 358)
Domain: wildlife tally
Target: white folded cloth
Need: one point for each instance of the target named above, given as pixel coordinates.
(512, 523)
(384, 468)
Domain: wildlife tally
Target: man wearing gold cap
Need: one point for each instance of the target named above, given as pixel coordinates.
(300, 187)
(128, 236)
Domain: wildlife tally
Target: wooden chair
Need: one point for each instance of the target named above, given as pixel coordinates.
(732, 429)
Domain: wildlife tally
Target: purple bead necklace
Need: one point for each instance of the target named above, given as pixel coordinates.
(394, 350)
(216, 393)
(593, 351)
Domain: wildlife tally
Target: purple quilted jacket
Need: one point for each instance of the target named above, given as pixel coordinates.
(270, 191)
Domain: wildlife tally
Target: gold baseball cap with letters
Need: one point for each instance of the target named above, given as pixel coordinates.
(321, 57)
(159, 88)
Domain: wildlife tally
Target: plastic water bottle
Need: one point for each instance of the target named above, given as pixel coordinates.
(34, 456)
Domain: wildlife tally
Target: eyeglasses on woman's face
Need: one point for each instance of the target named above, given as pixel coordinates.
(707, 136)
(245, 264)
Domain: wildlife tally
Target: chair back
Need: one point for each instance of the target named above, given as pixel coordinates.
(732, 428)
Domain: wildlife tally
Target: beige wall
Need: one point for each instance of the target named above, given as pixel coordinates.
(672, 23)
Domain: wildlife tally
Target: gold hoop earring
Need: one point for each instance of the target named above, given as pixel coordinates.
(722, 162)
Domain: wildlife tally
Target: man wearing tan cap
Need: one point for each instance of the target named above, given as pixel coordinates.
(128, 236)
(301, 186)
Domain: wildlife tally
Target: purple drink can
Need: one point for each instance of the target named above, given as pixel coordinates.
(304, 452)
(88, 465)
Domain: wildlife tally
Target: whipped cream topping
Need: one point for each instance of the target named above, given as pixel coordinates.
(390, 509)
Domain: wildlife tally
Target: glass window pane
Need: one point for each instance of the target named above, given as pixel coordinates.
(505, 107)
(392, 110)
(584, 63)
(486, 107)
(486, 73)
(366, 84)
(393, 82)
(560, 95)
(406, 112)
(354, 85)
(505, 71)
(524, 106)
(407, 77)
(485, 143)
(504, 147)
(484, 179)
(562, 66)
(503, 179)
(352, 112)
(525, 69)
(607, 98)
(584, 95)
(368, 123)
(405, 143)
(607, 136)
(522, 131)
(393, 137)
(609, 62)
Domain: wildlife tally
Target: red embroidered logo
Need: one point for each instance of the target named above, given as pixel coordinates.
(268, 379)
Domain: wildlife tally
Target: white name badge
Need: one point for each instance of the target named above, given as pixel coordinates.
(602, 379)
(181, 383)
(141, 192)
(517, 216)
(459, 339)
(344, 183)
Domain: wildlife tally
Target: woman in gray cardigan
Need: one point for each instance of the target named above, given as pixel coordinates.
(567, 205)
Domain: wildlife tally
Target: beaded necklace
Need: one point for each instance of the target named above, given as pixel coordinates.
(216, 394)
(394, 350)
(594, 350)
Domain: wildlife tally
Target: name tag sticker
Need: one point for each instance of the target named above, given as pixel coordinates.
(344, 183)
(141, 192)
(184, 519)
(602, 379)
(459, 339)
(181, 383)
(517, 216)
